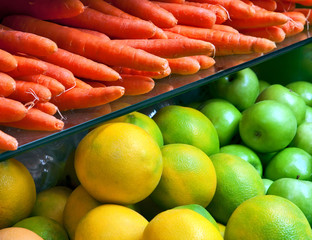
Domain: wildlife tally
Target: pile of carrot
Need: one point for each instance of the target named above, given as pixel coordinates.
(69, 54)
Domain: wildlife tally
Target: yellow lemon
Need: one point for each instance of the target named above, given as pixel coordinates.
(221, 228)
(51, 202)
(111, 222)
(17, 233)
(267, 217)
(118, 163)
(187, 125)
(188, 177)
(78, 204)
(17, 192)
(180, 224)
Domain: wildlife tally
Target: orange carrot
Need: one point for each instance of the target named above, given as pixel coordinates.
(172, 1)
(7, 142)
(75, 41)
(37, 120)
(155, 75)
(78, 98)
(224, 28)
(184, 65)
(204, 61)
(147, 10)
(172, 35)
(46, 107)
(17, 41)
(81, 66)
(112, 26)
(273, 33)
(96, 33)
(52, 84)
(95, 84)
(11, 110)
(26, 92)
(171, 48)
(190, 15)
(236, 8)
(134, 84)
(44, 9)
(82, 84)
(269, 5)
(226, 43)
(302, 2)
(7, 85)
(296, 16)
(292, 27)
(284, 6)
(221, 13)
(307, 12)
(159, 34)
(7, 61)
(27, 66)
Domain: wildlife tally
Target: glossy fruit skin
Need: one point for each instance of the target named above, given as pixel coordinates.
(240, 88)
(290, 162)
(308, 116)
(284, 95)
(245, 153)
(303, 137)
(267, 126)
(303, 89)
(297, 191)
(263, 85)
(225, 118)
(267, 183)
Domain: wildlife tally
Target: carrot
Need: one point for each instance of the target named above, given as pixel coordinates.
(226, 43)
(292, 27)
(172, 1)
(204, 61)
(112, 26)
(147, 10)
(44, 9)
(184, 65)
(52, 84)
(78, 98)
(171, 48)
(302, 2)
(172, 35)
(221, 13)
(4, 27)
(159, 34)
(155, 75)
(7, 142)
(46, 107)
(17, 41)
(95, 84)
(7, 85)
(284, 6)
(296, 16)
(27, 66)
(190, 15)
(7, 61)
(134, 84)
(224, 28)
(307, 12)
(236, 8)
(75, 41)
(96, 33)
(82, 84)
(37, 120)
(273, 33)
(81, 66)
(11, 110)
(269, 5)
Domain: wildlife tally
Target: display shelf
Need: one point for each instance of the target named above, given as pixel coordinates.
(167, 88)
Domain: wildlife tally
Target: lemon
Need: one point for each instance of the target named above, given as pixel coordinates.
(221, 228)
(111, 222)
(51, 202)
(17, 233)
(180, 224)
(17, 192)
(78, 204)
(188, 177)
(267, 217)
(187, 125)
(118, 163)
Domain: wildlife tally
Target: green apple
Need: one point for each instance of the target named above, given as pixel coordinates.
(225, 118)
(297, 191)
(245, 153)
(308, 116)
(291, 162)
(267, 126)
(304, 89)
(303, 137)
(265, 158)
(240, 88)
(263, 85)
(284, 95)
(267, 183)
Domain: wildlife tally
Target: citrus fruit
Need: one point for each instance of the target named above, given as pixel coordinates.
(17, 233)
(221, 229)
(187, 125)
(51, 202)
(45, 227)
(267, 217)
(17, 192)
(188, 177)
(118, 163)
(110, 221)
(180, 224)
(237, 181)
(78, 204)
(143, 121)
